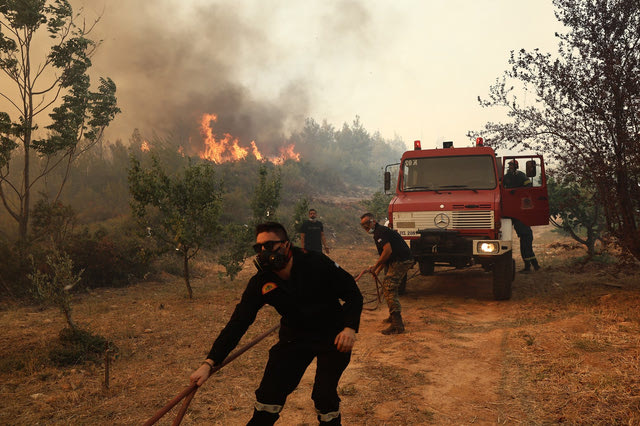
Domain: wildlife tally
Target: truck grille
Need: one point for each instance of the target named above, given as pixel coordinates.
(472, 219)
(408, 223)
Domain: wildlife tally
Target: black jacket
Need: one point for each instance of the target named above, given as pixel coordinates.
(309, 303)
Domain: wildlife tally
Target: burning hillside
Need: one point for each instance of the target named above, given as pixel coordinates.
(227, 148)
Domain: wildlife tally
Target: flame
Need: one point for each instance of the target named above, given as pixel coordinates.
(286, 153)
(220, 150)
(256, 153)
(144, 147)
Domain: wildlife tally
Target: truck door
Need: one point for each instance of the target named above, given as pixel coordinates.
(524, 191)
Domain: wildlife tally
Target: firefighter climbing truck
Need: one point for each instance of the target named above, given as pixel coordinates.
(452, 209)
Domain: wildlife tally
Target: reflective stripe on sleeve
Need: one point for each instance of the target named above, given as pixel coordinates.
(269, 408)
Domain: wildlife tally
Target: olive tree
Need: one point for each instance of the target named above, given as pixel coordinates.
(266, 195)
(56, 83)
(573, 210)
(180, 211)
(53, 283)
(239, 237)
(580, 106)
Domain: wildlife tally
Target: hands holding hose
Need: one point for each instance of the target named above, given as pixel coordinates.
(202, 373)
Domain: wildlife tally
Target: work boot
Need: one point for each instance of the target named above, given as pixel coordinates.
(263, 418)
(387, 320)
(397, 326)
(534, 263)
(527, 267)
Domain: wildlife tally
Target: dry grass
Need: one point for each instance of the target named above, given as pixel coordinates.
(566, 349)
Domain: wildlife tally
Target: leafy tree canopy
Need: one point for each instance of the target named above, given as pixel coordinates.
(60, 84)
(181, 211)
(581, 105)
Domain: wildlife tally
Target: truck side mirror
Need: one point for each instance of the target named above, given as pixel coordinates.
(531, 168)
(387, 181)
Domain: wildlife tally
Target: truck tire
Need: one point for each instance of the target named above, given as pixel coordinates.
(503, 274)
(426, 267)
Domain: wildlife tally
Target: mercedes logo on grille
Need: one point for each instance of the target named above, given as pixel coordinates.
(441, 221)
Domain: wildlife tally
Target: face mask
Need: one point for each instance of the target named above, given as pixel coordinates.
(270, 260)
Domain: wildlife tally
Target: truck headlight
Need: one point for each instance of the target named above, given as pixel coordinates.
(488, 247)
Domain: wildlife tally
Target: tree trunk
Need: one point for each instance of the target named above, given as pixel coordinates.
(186, 274)
(67, 315)
(26, 197)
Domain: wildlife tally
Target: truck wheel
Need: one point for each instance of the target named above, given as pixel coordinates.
(426, 267)
(503, 273)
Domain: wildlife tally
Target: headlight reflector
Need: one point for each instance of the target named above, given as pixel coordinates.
(488, 247)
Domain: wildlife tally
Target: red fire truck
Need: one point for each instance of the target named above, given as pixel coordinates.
(451, 207)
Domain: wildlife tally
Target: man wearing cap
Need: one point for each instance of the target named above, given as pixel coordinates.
(514, 178)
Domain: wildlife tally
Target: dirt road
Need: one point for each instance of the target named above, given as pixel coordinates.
(565, 349)
(452, 366)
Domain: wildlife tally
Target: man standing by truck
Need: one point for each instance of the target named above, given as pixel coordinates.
(515, 179)
(396, 256)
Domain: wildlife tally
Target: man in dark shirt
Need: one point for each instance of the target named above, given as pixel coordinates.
(514, 178)
(312, 234)
(306, 290)
(396, 256)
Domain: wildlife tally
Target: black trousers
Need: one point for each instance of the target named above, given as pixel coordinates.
(287, 363)
(526, 240)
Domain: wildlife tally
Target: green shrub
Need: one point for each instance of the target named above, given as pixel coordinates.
(109, 260)
(14, 283)
(238, 240)
(76, 346)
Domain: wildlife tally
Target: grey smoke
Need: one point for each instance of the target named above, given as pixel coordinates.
(172, 65)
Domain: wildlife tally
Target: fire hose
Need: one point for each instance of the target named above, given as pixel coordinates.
(378, 297)
(188, 393)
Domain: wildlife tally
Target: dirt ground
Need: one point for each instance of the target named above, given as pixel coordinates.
(565, 349)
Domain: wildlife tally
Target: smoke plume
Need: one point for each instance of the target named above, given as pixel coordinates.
(173, 63)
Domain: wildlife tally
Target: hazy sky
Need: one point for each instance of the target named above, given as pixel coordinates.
(411, 68)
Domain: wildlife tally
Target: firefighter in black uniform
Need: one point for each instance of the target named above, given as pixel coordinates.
(514, 178)
(306, 290)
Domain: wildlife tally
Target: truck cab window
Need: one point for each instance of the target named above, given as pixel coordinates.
(448, 173)
(529, 167)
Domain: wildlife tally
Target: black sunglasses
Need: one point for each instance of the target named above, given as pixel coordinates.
(367, 224)
(268, 245)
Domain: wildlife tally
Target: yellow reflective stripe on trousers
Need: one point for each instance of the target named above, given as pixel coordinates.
(269, 408)
(327, 417)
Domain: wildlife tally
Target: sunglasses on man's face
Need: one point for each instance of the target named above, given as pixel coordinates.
(268, 245)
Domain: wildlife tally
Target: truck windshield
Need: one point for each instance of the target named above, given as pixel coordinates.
(446, 173)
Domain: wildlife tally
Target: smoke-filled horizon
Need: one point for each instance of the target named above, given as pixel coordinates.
(409, 69)
(173, 64)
